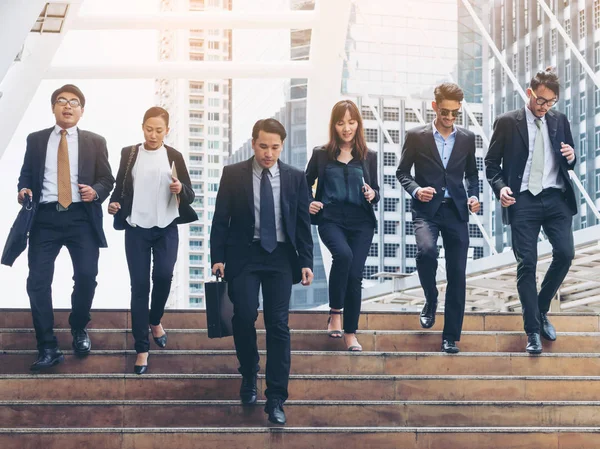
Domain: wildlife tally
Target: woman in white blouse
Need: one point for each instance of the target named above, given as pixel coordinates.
(153, 195)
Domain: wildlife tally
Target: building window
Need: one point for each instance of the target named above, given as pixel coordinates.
(540, 52)
(373, 250)
(474, 231)
(596, 14)
(598, 180)
(480, 164)
(196, 86)
(581, 69)
(367, 113)
(390, 159)
(515, 64)
(480, 185)
(390, 180)
(195, 287)
(391, 114)
(195, 174)
(478, 117)
(390, 204)
(408, 205)
(213, 45)
(390, 249)
(409, 228)
(390, 227)
(582, 147)
(567, 73)
(480, 211)
(477, 252)
(196, 57)
(527, 58)
(582, 24)
(213, 173)
(196, 5)
(395, 135)
(478, 142)
(369, 271)
(195, 245)
(214, 145)
(583, 222)
(410, 116)
(410, 250)
(213, 187)
(195, 259)
(213, 87)
(195, 160)
(371, 135)
(213, 159)
(391, 269)
(213, 116)
(597, 141)
(567, 28)
(582, 106)
(568, 110)
(553, 41)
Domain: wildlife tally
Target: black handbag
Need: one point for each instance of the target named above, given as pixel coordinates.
(19, 233)
(219, 309)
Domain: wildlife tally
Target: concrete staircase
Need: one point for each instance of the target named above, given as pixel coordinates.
(401, 392)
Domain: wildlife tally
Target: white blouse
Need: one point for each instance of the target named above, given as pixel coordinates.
(153, 202)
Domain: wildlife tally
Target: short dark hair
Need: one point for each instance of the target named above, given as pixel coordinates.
(156, 111)
(72, 89)
(448, 91)
(268, 125)
(547, 78)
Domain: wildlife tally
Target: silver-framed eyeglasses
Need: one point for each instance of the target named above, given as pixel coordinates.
(540, 101)
(74, 102)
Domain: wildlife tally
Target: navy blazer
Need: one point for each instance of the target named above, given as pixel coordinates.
(123, 193)
(316, 170)
(509, 150)
(94, 170)
(421, 151)
(232, 229)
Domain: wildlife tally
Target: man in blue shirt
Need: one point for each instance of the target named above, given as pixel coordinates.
(442, 155)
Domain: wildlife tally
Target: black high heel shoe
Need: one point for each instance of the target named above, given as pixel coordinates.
(334, 333)
(161, 342)
(141, 369)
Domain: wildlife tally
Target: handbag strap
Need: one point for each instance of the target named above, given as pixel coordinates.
(128, 169)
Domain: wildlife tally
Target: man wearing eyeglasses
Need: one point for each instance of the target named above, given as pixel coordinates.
(443, 155)
(527, 165)
(67, 175)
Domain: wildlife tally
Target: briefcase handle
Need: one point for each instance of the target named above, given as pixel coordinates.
(218, 276)
(27, 202)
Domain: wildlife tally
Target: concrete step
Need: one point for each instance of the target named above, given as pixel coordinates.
(69, 387)
(317, 340)
(389, 320)
(324, 362)
(302, 438)
(140, 414)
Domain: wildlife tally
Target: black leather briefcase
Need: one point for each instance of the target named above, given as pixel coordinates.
(219, 309)
(19, 233)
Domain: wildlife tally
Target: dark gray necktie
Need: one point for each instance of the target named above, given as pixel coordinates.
(268, 230)
(536, 174)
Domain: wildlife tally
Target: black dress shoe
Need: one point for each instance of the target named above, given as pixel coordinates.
(450, 347)
(48, 358)
(81, 342)
(547, 329)
(534, 344)
(427, 317)
(274, 408)
(161, 342)
(248, 390)
(140, 369)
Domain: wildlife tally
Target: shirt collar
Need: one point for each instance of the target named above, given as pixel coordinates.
(274, 170)
(435, 130)
(70, 131)
(531, 116)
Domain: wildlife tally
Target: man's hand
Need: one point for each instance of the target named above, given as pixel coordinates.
(307, 276)
(220, 268)
(474, 205)
(175, 186)
(505, 197)
(113, 208)
(21, 195)
(87, 193)
(315, 207)
(567, 151)
(425, 194)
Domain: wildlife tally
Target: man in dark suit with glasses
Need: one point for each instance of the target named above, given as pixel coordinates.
(442, 155)
(527, 165)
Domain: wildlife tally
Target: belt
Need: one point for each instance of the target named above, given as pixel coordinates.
(447, 201)
(58, 207)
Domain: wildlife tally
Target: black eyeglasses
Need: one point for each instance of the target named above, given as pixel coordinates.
(542, 101)
(446, 112)
(74, 102)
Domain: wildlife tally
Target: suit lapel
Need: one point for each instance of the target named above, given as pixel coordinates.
(43, 149)
(249, 186)
(82, 142)
(430, 143)
(522, 127)
(458, 146)
(284, 173)
(552, 124)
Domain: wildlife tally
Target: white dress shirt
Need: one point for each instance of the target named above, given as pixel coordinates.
(153, 202)
(276, 187)
(551, 176)
(50, 184)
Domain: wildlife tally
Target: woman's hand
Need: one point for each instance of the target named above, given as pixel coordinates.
(113, 208)
(175, 186)
(369, 192)
(315, 207)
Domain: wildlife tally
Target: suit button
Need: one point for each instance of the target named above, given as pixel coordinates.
(443, 188)
(519, 176)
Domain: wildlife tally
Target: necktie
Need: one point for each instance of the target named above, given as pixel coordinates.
(64, 172)
(268, 231)
(536, 173)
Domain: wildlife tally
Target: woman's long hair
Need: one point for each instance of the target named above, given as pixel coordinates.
(359, 146)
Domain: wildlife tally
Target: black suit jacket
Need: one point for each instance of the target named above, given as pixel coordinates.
(421, 151)
(316, 170)
(94, 170)
(123, 193)
(232, 230)
(509, 149)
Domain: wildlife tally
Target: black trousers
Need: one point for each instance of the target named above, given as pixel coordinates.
(51, 231)
(272, 272)
(455, 233)
(548, 211)
(348, 242)
(142, 245)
